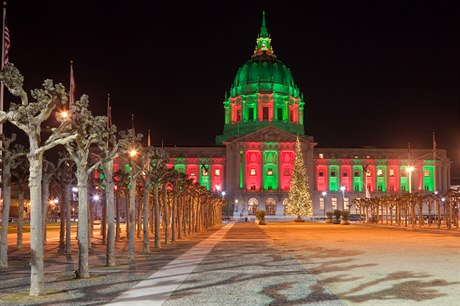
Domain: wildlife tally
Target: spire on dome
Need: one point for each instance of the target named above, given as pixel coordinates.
(263, 29)
(263, 43)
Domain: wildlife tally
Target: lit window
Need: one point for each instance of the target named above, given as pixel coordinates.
(217, 172)
(368, 173)
(379, 172)
(192, 174)
(253, 171)
(204, 171)
(392, 172)
(269, 172)
(321, 155)
(426, 173)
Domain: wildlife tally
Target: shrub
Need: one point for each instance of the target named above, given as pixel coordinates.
(329, 214)
(260, 215)
(345, 215)
(337, 214)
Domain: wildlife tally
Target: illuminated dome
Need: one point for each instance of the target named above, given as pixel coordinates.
(263, 93)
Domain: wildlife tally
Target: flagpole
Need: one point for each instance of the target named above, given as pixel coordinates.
(109, 113)
(148, 138)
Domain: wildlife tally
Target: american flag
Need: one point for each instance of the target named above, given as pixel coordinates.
(6, 43)
(72, 85)
(109, 113)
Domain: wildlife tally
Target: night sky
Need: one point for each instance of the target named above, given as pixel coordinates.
(379, 74)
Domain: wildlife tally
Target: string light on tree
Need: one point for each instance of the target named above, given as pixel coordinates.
(299, 198)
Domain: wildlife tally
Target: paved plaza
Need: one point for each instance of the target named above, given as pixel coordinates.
(282, 263)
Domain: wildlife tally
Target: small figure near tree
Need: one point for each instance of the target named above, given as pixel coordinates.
(299, 198)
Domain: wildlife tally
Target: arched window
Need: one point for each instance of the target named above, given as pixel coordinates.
(285, 202)
(270, 206)
(253, 205)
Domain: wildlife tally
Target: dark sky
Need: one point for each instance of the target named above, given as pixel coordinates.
(373, 73)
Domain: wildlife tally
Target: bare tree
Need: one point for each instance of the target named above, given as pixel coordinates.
(108, 148)
(21, 172)
(29, 116)
(8, 157)
(65, 178)
(130, 148)
(49, 170)
(90, 130)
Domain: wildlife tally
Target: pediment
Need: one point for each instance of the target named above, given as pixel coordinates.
(269, 134)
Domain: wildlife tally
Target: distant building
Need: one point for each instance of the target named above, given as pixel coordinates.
(253, 160)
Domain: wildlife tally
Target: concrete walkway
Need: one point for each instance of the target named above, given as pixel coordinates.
(237, 265)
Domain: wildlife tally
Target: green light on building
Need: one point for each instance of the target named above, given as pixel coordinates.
(358, 178)
(204, 176)
(382, 178)
(180, 168)
(334, 178)
(428, 178)
(404, 181)
(270, 170)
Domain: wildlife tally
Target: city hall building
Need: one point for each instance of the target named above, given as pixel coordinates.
(252, 162)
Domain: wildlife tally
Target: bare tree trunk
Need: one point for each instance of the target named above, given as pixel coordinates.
(36, 224)
(109, 194)
(6, 190)
(20, 217)
(104, 221)
(62, 209)
(83, 237)
(179, 216)
(118, 229)
(173, 217)
(146, 215)
(139, 218)
(45, 196)
(127, 201)
(156, 206)
(132, 211)
(91, 216)
(166, 213)
(68, 212)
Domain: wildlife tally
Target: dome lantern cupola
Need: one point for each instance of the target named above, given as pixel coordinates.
(263, 94)
(263, 43)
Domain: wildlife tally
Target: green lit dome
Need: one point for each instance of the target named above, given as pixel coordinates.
(263, 93)
(265, 74)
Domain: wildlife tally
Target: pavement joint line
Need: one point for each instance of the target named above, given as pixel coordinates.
(158, 287)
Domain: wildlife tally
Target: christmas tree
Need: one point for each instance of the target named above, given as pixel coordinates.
(299, 199)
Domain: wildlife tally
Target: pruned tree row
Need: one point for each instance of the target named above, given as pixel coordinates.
(133, 180)
(422, 209)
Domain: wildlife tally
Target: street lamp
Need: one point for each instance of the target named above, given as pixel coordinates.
(96, 199)
(223, 194)
(236, 205)
(409, 170)
(132, 153)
